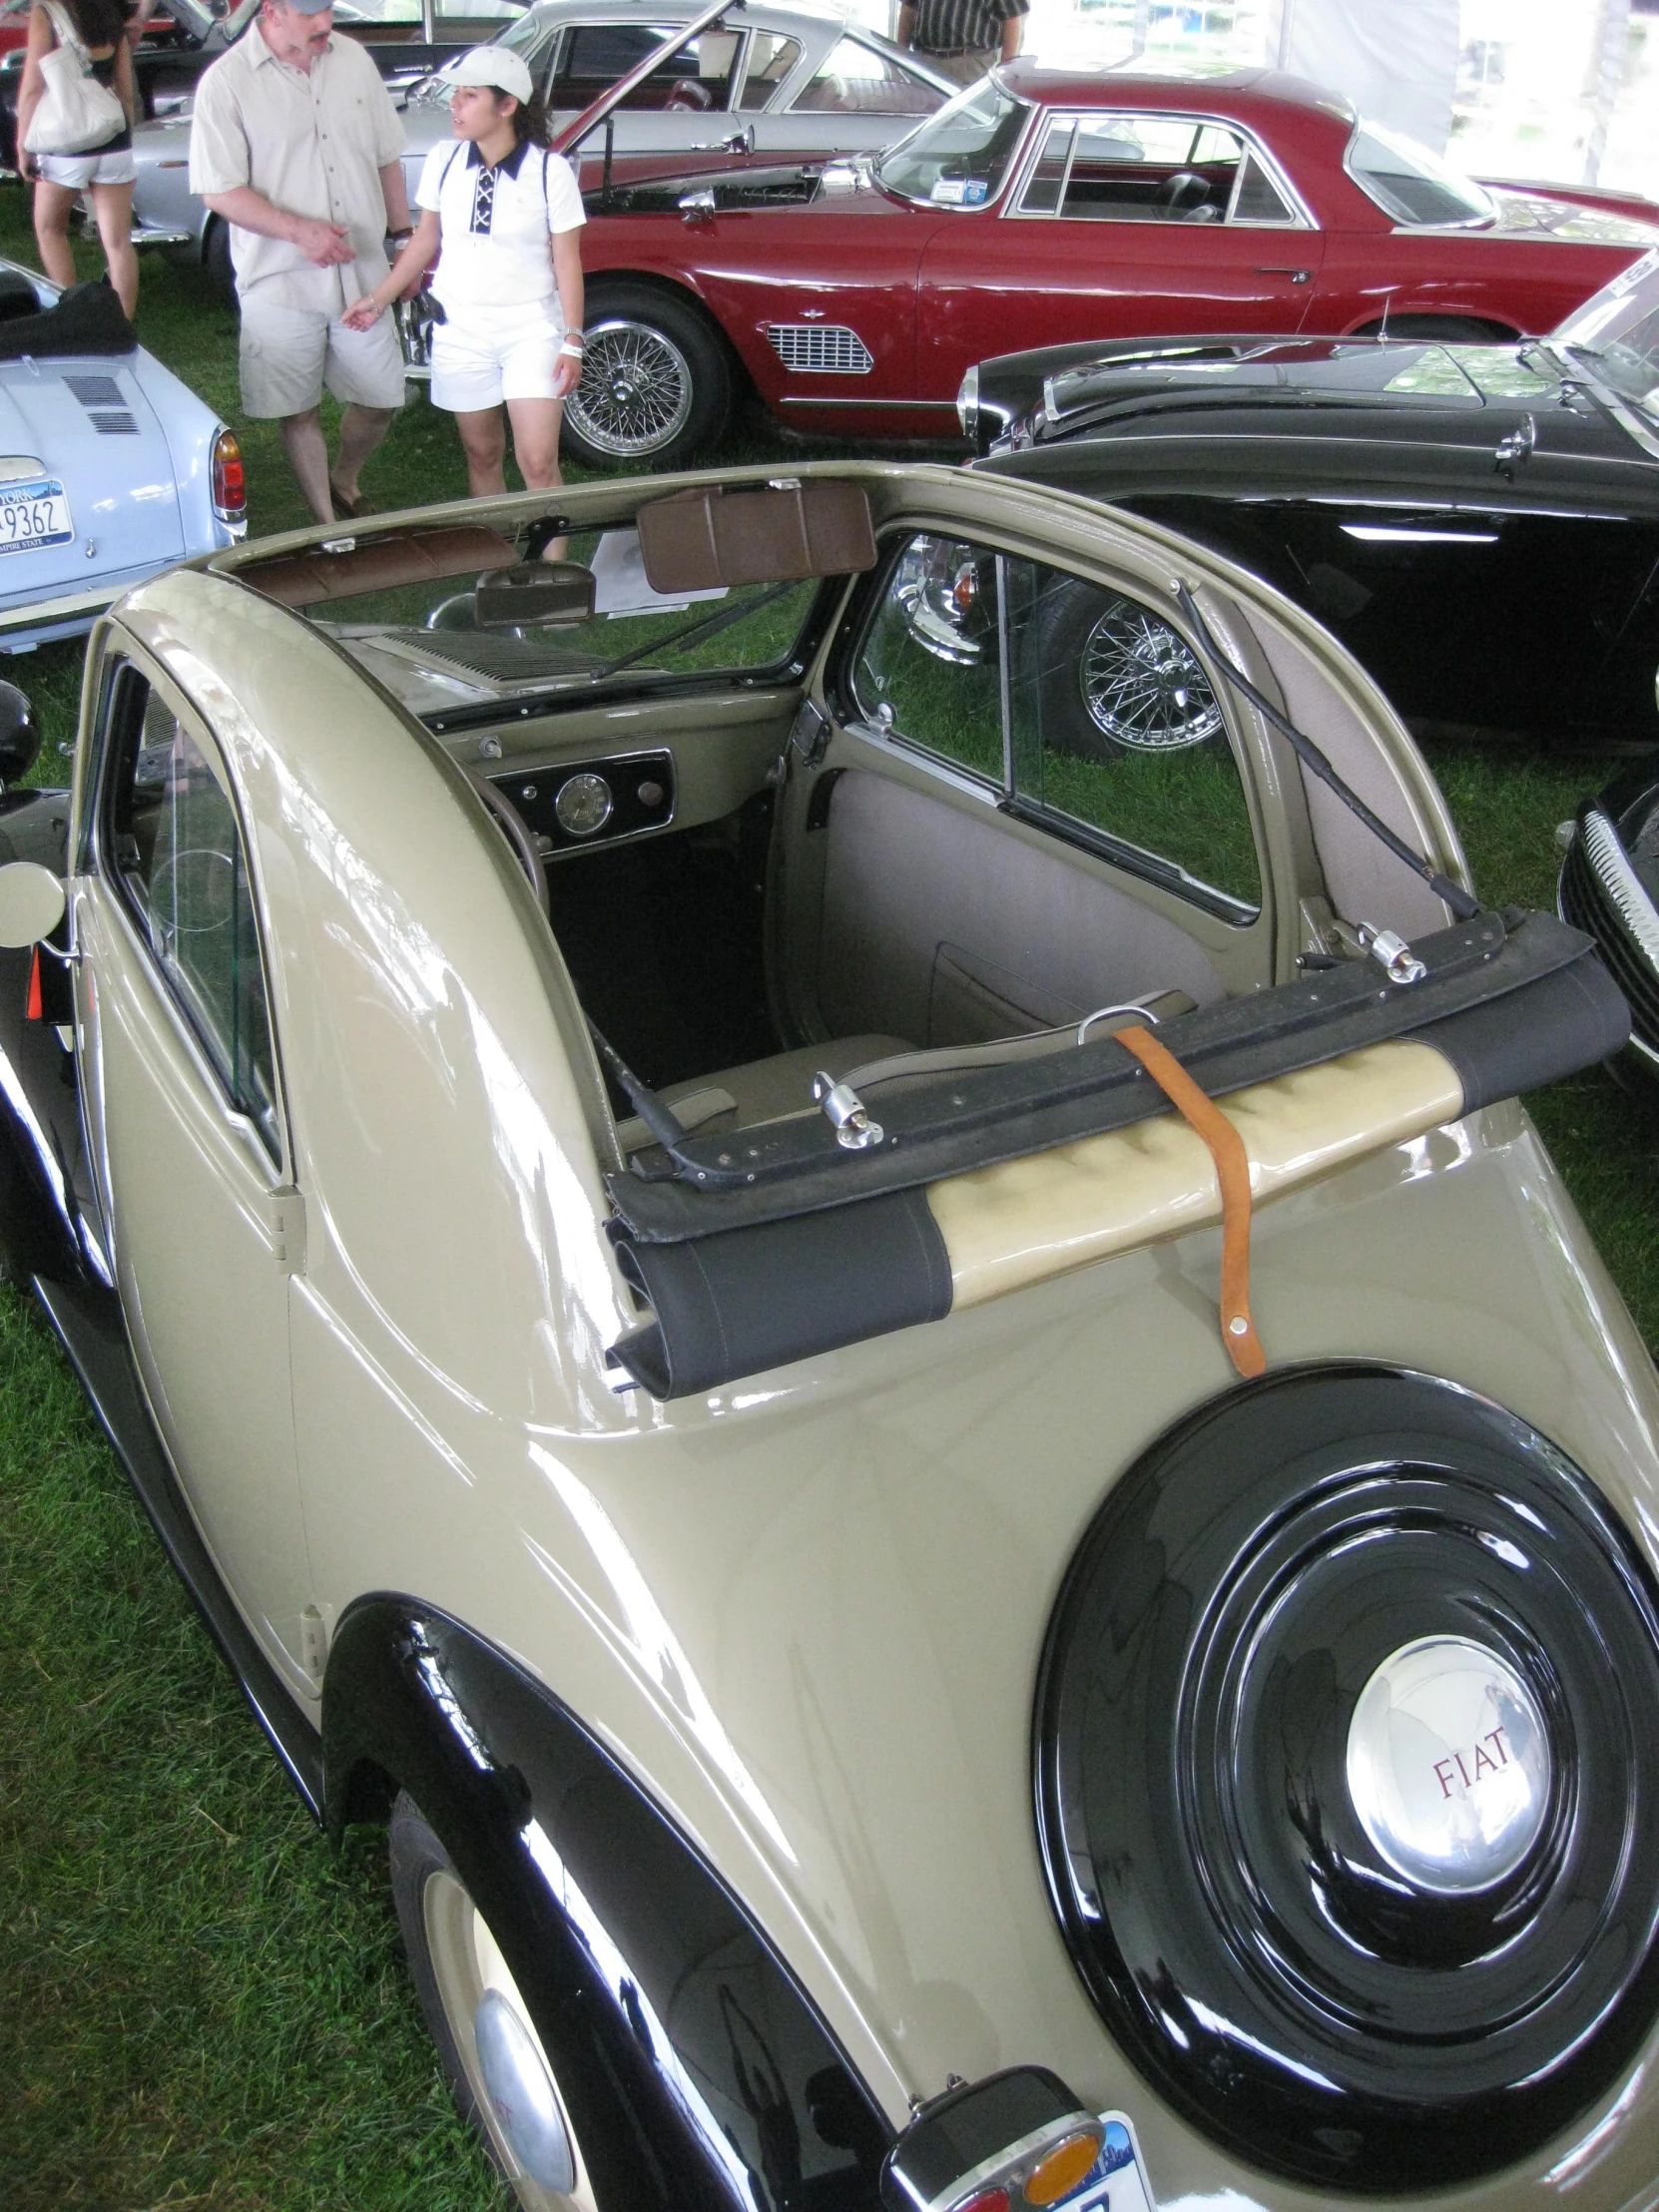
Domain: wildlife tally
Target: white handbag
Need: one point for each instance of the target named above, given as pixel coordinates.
(75, 111)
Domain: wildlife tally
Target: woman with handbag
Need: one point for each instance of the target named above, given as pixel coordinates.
(75, 133)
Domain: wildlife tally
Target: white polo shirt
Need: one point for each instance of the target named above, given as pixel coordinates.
(495, 221)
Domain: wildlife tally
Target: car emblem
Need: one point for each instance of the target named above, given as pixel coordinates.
(1448, 1765)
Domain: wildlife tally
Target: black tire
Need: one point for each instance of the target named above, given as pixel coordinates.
(216, 259)
(655, 384)
(437, 1933)
(1448, 329)
(1113, 678)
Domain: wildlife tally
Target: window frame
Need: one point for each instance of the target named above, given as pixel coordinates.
(1155, 869)
(1014, 210)
(122, 665)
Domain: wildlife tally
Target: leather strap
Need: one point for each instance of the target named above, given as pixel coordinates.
(1226, 1149)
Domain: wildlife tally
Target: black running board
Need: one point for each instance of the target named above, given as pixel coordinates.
(87, 1323)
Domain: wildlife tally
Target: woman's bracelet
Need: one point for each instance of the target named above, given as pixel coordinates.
(576, 347)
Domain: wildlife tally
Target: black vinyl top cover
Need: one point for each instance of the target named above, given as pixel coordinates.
(824, 1248)
(87, 319)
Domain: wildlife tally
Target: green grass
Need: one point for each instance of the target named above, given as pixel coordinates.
(199, 2004)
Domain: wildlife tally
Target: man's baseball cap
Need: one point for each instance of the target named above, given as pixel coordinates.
(309, 7)
(497, 66)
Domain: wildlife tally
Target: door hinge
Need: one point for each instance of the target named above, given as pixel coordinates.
(285, 1226)
(313, 1643)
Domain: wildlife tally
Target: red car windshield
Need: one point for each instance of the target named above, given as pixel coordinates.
(959, 156)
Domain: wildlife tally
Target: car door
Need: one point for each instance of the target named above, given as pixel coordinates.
(1121, 226)
(180, 1092)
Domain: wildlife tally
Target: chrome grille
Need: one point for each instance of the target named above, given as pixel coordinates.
(1600, 894)
(821, 348)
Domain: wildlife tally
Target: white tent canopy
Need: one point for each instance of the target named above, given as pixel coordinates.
(1396, 60)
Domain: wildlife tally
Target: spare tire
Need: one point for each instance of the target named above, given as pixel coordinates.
(1348, 1784)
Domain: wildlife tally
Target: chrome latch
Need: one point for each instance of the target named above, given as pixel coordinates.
(846, 1110)
(1517, 444)
(1391, 954)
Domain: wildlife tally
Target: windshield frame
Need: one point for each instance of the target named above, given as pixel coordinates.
(1485, 216)
(1013, 161)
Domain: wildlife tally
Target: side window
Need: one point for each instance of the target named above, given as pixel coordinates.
(857, 80)
(597, 54)
(171, 842)
(1258, 199)
(770, 58)
(1134, 169)
(1112, 728)
(929, 667)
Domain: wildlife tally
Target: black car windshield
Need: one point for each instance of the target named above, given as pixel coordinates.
(1617, 333)
(1413, 184)
(959, 156)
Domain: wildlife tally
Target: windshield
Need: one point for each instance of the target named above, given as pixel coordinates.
(959, 156)
(1618, 329)
(1411, 183)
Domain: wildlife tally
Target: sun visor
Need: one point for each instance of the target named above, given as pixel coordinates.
(379, 563)
(705, 539)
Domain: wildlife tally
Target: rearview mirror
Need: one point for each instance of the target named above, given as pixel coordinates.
(533, 595)
(32, 902)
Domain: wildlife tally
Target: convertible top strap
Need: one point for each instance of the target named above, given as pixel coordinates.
(1226, 1149)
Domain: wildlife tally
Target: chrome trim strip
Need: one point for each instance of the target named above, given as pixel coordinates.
(833, 399)
(1620, 881)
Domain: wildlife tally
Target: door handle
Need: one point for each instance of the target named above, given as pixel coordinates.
(1297, 276)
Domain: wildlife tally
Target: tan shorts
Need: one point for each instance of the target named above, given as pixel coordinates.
(289, 355)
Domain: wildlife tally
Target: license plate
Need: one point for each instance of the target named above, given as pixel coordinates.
(33, 515)
(1117, 2180)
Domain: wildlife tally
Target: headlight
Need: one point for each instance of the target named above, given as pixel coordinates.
(967, 403)
(230, 484)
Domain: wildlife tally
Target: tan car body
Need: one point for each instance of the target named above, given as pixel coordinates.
(804, 1609)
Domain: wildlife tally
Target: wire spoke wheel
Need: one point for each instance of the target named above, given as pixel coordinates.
(1142, 687)
(636, 393)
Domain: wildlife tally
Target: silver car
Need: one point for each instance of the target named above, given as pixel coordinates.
(762, 80)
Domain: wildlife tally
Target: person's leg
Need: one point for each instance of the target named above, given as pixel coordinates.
(112, 206)
(536, 442)
(53, 204)
(484, 442)
(308, 456)
(360, 431)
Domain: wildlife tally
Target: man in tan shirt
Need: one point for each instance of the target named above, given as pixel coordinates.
(294, 142)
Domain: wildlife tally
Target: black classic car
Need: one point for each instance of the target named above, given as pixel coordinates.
(1610, 889)
(1478, 522)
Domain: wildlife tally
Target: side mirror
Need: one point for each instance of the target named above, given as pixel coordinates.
(32, 903)
(533, 595)
(19, 735)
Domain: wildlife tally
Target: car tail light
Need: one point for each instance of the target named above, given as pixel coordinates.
(229, 485)
(1017, 2139)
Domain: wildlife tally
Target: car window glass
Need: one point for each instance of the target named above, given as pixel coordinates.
(770, 58)
(959, 156)
(929, 659)
(1136, 168)
(1113, 728)
(1409, 183)
(532, 35)
(173, 843)
(597, 54)
(1258, 199)
(857, 80)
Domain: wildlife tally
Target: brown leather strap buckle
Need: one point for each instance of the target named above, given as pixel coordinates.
(1226, 1149)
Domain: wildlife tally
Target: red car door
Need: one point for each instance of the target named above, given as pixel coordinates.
(1122, 226)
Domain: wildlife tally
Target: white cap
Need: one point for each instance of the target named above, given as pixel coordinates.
(494, 65)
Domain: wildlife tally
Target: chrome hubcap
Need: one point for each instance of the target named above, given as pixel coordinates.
(1449, 1766)
(522, 2094)
(635, 397)
(1142, 686)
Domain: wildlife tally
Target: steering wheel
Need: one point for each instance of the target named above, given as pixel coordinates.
(1184, 193)
(517, 833)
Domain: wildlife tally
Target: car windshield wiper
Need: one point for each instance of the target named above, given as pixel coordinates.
(694, 632)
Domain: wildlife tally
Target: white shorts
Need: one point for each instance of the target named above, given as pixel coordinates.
(291, 354)
(77, 170)
(483, 355)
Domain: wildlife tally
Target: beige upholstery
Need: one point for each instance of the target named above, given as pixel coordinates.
(766, 1091)
(948, 930)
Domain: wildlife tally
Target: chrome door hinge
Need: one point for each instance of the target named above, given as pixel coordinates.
(313, 1643)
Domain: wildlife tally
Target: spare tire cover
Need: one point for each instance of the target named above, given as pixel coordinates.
(1348, 1779)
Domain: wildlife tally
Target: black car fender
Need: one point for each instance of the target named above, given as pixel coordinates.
(684, 2048)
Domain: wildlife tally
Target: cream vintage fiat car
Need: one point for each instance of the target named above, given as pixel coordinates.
(624, 1143)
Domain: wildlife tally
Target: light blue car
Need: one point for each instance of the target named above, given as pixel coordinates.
(110, 469)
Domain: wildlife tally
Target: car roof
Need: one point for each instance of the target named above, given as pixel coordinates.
(1246, 93)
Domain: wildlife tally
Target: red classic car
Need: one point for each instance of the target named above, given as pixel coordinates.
(1038, 208)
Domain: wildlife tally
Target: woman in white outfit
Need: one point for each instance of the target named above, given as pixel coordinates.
(99, 29)
(507, 216)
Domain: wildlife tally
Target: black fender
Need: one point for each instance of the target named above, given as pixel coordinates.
(697, 2072)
